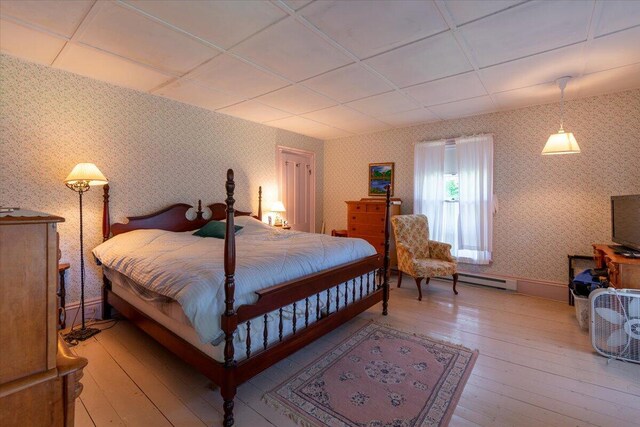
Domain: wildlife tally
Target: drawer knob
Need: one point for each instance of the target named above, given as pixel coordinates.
(353, 217)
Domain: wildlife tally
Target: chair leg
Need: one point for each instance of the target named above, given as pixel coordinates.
(428, 278)
(399, 278)
(418, 280)
(455, 282)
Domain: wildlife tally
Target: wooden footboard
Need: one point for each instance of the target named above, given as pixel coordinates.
(325, 300)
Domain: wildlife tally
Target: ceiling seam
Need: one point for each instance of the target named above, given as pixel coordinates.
(302, 20)
(223, 51)
(74, 33)
(462, 44)
(596, 13)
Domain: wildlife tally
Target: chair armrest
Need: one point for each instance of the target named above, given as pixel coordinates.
(405, 257)
(440, 250)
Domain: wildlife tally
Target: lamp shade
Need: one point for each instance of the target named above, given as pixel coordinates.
(86, 173)
(561, 143)
(278, 207)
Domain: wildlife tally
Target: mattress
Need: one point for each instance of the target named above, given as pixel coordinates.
(169, 314)
(189, 269)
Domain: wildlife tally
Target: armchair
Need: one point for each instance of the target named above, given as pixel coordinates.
(418, 256)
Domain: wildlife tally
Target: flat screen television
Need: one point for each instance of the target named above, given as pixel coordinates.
(625, 221)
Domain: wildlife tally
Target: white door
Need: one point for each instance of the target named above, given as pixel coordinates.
(296, 189)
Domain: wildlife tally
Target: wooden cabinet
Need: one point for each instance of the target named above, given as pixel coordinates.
(365, 219)
(38, 375)
(624, 273)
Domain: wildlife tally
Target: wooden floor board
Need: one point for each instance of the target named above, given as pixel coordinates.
(536, 368)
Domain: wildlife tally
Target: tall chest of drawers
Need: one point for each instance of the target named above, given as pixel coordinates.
(365, 219)
(39, 376)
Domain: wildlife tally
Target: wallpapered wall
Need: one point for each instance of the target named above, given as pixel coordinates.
(154, 151)
(549, 206)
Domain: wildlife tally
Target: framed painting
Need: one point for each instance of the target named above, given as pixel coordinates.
(380, 175)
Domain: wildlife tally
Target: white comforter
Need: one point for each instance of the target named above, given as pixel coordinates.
(190, 270)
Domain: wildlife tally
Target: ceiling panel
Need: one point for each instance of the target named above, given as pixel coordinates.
(465, 11)
(120, 30)
(61, 17)
(327, 132)
(28, 44)
(410, 118)
(534, 95)
(536, 69)
(617, 15)
(433, 58)
(297, 4)
(449, 89)
(347, 119)
(614, 50)
(291, 50)
(192, 93)
(467, 107)
(254, 111)
(385, 104)
(367, 28)
(348, 83)
(296, 100)
(100, 65)
(615, 80)
(231, 75)
(527, 29)
(223, 23)
(308, 127)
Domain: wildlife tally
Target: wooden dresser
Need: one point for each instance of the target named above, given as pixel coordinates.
(624, 273)
(365, 219)
(39, 377)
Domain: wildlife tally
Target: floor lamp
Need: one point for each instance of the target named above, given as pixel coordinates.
(81, 178)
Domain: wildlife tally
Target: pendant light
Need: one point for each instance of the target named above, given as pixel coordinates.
(561, 142)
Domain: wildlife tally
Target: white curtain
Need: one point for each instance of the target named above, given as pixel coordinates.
(428, 196)
(475, 175)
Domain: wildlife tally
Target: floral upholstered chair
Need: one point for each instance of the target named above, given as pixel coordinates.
(417, 255)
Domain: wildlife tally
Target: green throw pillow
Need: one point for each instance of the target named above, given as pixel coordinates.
(214, 229)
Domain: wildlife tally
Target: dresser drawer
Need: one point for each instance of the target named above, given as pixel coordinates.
(366, 230)
(365, 218)
(356, 207)
(376, 242)
(375, 207)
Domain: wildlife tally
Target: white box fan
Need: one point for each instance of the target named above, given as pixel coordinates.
(615, 323)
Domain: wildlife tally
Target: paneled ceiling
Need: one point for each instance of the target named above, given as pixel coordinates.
(330, 69)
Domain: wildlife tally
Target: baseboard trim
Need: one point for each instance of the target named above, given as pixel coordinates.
(92, 311)
(556, 291)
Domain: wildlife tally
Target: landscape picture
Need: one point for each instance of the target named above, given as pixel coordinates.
(380, 175)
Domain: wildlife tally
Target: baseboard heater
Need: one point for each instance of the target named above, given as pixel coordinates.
(484, 280)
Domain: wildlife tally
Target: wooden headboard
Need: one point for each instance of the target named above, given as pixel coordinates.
(172, 218)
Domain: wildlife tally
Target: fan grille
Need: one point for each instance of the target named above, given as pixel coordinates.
(615, 323)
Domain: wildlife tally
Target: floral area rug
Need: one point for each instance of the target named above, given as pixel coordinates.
(378, 377)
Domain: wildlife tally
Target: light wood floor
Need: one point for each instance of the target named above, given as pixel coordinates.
(536, 368)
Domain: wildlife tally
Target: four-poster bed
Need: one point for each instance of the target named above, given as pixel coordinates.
(328, 298)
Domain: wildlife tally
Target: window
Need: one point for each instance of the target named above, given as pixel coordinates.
(454, 189)
(451, 188)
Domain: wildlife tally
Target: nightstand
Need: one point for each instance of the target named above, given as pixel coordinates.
(62, 294)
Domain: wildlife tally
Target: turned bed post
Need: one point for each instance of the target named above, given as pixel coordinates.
(229, 318)
(387, 260)
(106, 231)
(106, 223)
(260, 203)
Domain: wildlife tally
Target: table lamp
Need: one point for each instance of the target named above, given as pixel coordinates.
(81, 178)
(277, 208)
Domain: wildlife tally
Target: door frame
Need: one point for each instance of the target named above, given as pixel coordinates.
(280, 150)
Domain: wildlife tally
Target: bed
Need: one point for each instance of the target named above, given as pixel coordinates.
(232, 317)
